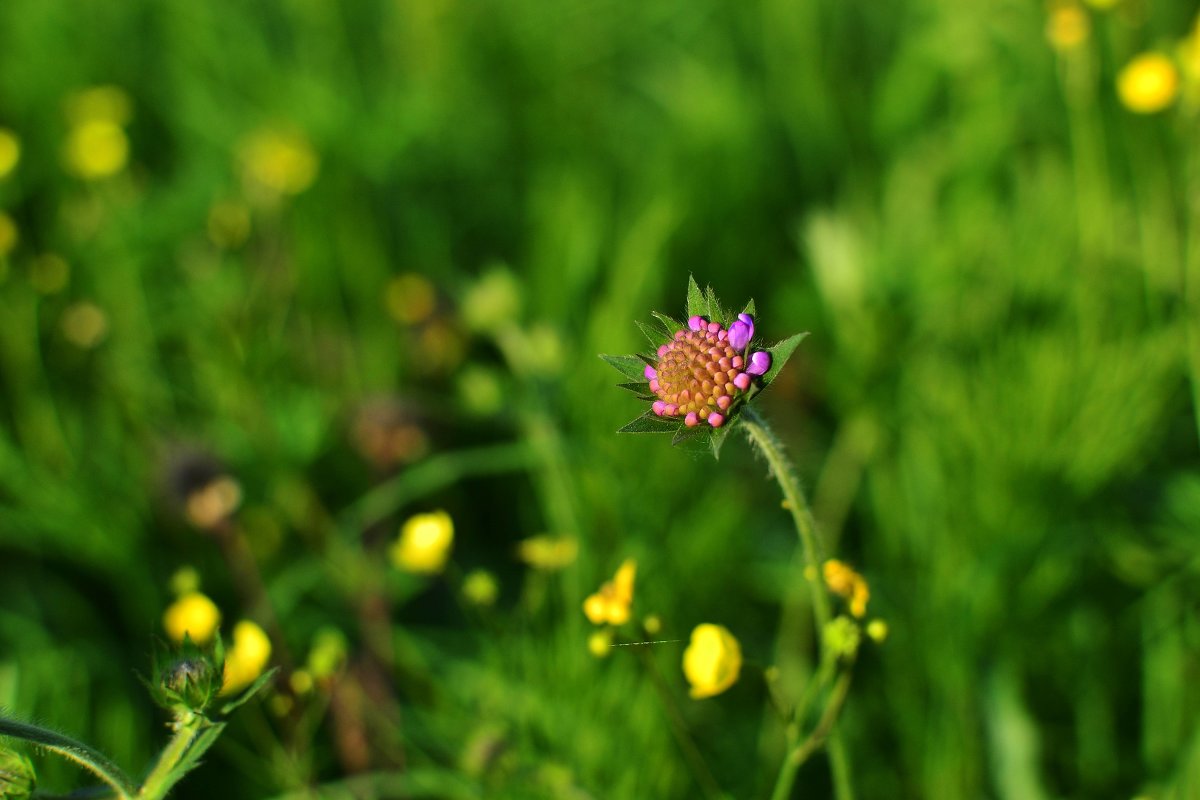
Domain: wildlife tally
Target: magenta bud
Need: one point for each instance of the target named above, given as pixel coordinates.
(739, 334)
(654, 385)
(742, 381)
(713, 327)
(716, 420)
(670, 409)
(722, 335)
(691, 420)
(696, 322)
(663, 350)
(724, 401)
(659, 406)
(650, 372)
(760, 362)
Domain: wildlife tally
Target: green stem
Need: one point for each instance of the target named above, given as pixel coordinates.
(83, 755)
(771, 448)
(798, 754)
(174, 760)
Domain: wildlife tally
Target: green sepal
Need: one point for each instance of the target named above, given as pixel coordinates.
(697, 305)
(780, 353)
(642, 390)
(250, 691)
(650, 422)
(632, 367)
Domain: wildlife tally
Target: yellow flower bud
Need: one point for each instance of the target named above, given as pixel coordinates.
(600, 643)
(96, 149)
(424, 543)
(877, 629)
(843, 581)
(278, 163)
(246, 658)
(712, 660)
(1148, 83)
(480, 588)
(548, 552)
(192, 614)
(1068, 27)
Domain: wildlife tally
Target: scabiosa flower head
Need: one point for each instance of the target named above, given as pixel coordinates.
(700, 375)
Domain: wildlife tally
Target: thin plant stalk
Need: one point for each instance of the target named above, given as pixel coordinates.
(87, 757)
(764, 439)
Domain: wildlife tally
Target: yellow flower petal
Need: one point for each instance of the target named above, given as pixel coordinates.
(246, 658)
(192, 614)
(424, 543)
(1148, 83)
(712, 660)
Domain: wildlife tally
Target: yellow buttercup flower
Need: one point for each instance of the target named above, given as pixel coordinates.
(279, 162)
(246, 658)
(192, 614)
(424, 543)
(611, 604)
(548, 552)
(96, 149)
(1148, 83)
(845, 582)
(10, 152)
(877, 630)
(600, 643)
(712, 660)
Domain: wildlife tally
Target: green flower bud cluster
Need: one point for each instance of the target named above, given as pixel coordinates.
(185, 682)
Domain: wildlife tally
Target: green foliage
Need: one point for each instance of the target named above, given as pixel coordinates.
(995, 413)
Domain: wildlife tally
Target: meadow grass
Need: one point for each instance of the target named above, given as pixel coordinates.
(995, 414)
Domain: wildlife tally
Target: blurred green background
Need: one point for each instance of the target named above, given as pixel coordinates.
(361, 258)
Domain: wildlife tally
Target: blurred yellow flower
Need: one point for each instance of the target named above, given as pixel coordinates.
(192, 614)
(712, 660)
(84, 324)
(49, 274)
(9, 235)
(600, 643)
(184, 580)
(246, 658)
(1148, 83)
(877, 630)
(492, 301)
(99, 104)
(611, 604)
(480, 588)
(410, 298)
(845, 582)
(96, 149)
(424, 543)
(1067, 27)
(301, 681)
(10, 152)
(279, 162)
(548, 552)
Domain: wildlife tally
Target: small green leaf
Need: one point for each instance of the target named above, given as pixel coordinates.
(632, 367)
(780, 353)
(696, 302)
(671, 325)
(719, 435)
(749, 309)
(650, 422)
(250, 692)
(642, 390)
(715, 312)
(655, 334)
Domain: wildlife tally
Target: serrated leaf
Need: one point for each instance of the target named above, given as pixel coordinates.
(780, 353)
(749, 309)
(632, 367)
(649, 422)
(669, 323)
(719, 435)
(250, 692)
(715, 312)
(696, 302)
(655, 334)
(642, 390)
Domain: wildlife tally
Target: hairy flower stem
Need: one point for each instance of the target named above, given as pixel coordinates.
(83, 755)
(170, 766)
(764, 439)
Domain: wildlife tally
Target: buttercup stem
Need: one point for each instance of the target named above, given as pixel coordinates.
(764, 439)
(159, 781)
